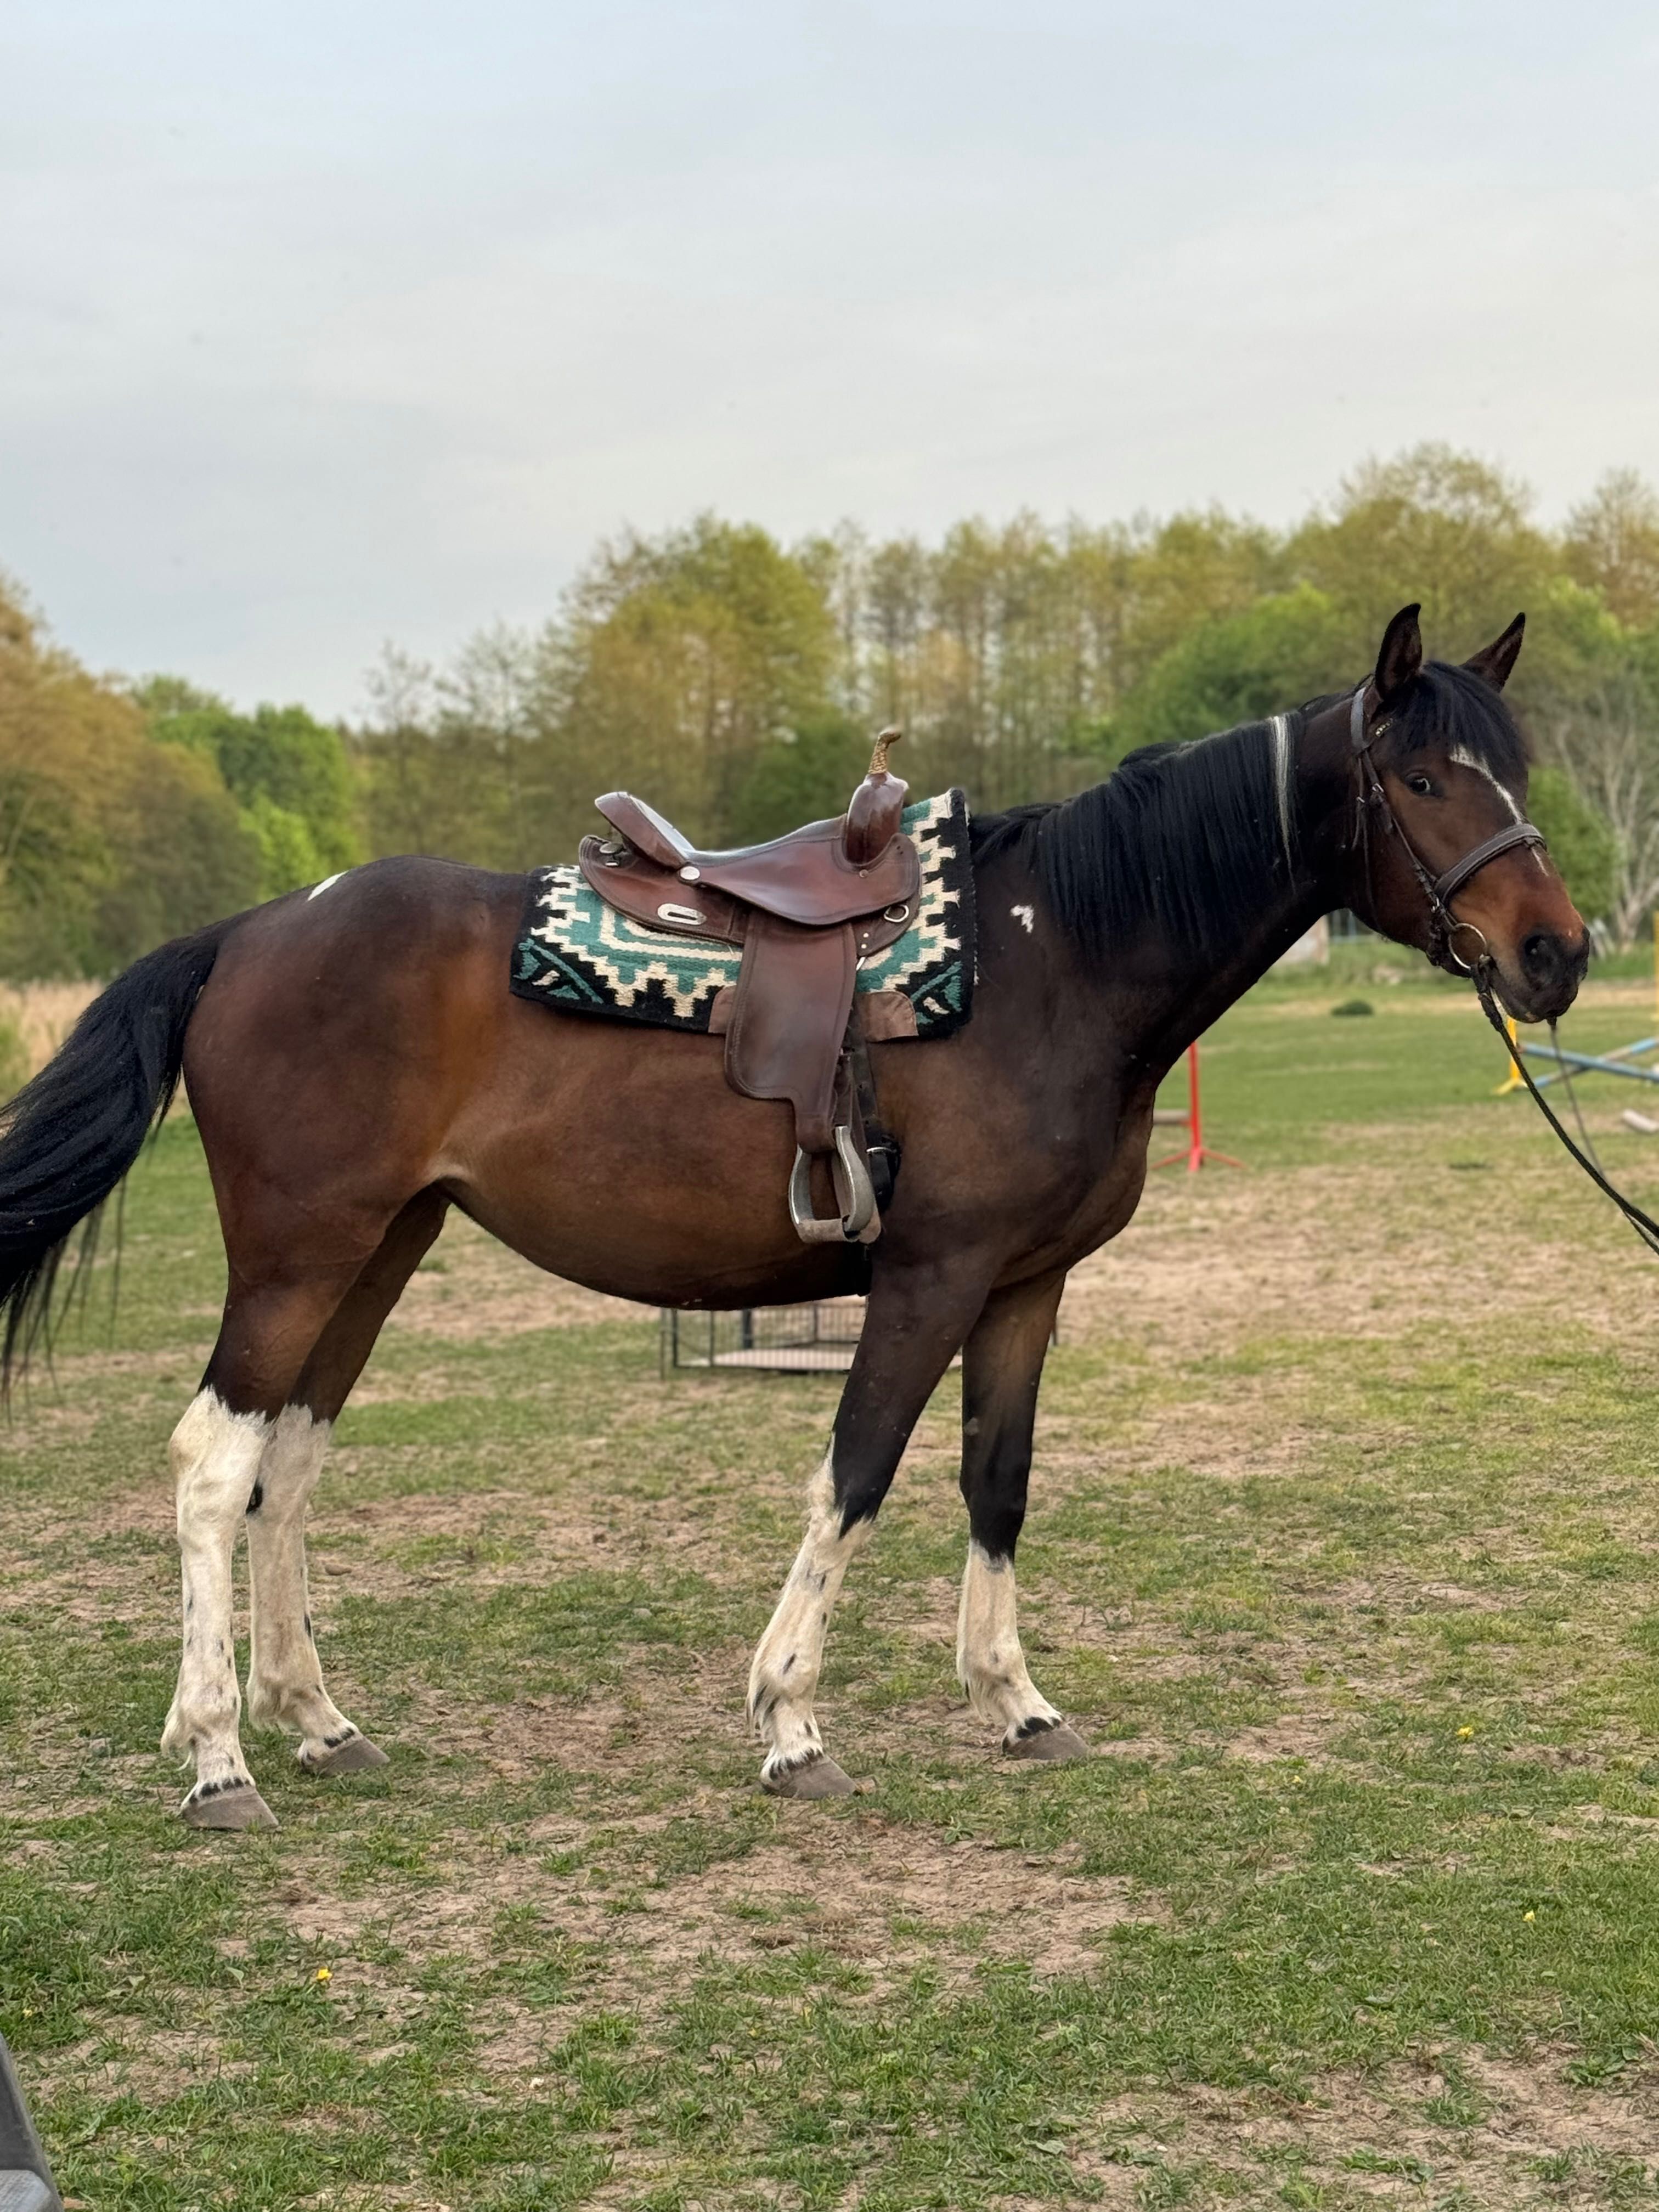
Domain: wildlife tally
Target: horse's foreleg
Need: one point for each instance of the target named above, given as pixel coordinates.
(285, 1676)
(911, 1332)
(1002, 1367)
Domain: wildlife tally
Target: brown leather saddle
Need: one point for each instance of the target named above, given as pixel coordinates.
(805, 908)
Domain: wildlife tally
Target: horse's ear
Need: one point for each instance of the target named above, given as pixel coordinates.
(1494, 661)
(1400, 655)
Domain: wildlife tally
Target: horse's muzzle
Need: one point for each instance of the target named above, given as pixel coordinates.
(1551, 969)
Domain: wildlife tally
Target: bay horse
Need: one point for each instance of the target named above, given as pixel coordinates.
(356, 1066)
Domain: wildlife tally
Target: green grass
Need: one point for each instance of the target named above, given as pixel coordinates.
(1351, 1576)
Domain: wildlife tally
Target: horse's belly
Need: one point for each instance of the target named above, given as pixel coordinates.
(621, 1159)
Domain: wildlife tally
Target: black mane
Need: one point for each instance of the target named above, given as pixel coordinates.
(1182, 839)
(1185, 839)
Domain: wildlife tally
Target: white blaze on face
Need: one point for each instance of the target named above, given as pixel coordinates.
(784, 1679)
(1465, 758)
(1026, 917)
(990, 1659)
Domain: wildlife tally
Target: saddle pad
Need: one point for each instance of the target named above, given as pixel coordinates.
(576, 953)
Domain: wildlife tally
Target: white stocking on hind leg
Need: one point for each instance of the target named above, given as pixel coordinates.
(216, 1463)
(217, 1452)
(285, 1676)
(285, 1685)
(240, 1443)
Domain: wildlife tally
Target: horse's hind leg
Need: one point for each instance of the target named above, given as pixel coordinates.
(218, 1450)
(1002, 1367)
(912, 1328)
(285, 1677)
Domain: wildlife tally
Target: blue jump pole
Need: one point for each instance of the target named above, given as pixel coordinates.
(1610, 1063)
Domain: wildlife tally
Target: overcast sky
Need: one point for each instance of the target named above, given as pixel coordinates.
(326, 325)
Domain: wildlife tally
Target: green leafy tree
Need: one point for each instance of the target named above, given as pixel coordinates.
(805, 774)
(1432, 525)
(109, 841)
(183, 858)
(1597, 720)
(677, 662)
(1612, 546)
(1236, 669)
(290, 774)
(1580, 841)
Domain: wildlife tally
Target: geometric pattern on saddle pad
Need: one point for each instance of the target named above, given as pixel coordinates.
(578, 954)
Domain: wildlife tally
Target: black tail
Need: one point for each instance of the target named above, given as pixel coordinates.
(72, 1134)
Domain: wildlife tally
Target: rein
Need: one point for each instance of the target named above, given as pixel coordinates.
(1643, 1224)
(1437, 891)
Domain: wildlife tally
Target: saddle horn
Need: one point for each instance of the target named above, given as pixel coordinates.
(872, 819)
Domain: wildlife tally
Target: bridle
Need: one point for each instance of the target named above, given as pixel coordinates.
(1438, 890)
(1445, 926)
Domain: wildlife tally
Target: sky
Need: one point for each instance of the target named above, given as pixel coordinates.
(324, 326)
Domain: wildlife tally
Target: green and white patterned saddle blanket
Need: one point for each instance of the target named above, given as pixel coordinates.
(578, 954)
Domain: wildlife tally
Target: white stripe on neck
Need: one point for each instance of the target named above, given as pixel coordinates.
(1279, 734)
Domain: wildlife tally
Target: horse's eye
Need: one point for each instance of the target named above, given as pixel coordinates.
(1420, 785)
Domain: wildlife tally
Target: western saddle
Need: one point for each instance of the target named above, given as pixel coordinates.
(805, 908)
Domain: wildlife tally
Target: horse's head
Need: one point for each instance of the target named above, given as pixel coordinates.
(1438, 778)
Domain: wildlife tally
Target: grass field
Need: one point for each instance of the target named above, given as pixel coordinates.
(1342, 1553)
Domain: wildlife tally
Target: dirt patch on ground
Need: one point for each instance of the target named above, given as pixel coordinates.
(1388, 2140)
(1365, 1250)
(862, 1887)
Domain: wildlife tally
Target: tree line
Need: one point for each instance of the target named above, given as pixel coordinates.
(736, 682)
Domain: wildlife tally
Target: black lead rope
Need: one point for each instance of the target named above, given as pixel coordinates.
(1643, 1224)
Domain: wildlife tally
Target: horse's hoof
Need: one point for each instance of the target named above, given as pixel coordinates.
(822, 1778)
(1059, 1741)
(239, 1806)
(356, 1755)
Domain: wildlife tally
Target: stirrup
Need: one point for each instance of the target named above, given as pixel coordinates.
(859, 1222)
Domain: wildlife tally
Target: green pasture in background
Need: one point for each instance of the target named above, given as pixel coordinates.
(1361, 1613)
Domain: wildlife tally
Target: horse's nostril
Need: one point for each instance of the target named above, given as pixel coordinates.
(1543, 955)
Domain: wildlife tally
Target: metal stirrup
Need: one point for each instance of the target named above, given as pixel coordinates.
(853, 1192)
